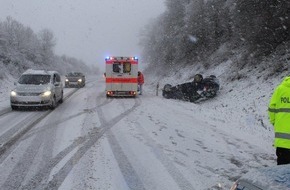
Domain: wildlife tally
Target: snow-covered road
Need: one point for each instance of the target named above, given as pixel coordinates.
(94, 142)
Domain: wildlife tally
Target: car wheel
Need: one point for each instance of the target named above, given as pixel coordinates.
(61, 99)
(53, 103)
(167, 87)
(14, 107)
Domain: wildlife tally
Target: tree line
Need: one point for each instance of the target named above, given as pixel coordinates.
(192, 31)
(21, 48)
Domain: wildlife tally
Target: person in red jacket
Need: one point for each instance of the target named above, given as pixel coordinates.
(140, 81)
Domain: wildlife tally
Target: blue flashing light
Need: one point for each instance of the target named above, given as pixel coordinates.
(107, 57)
(136, 58)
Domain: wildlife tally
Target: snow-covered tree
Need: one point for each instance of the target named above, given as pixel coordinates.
(191, 31)
(21, 48)
(47, 44)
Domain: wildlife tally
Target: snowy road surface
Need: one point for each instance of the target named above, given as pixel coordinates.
(94, 142)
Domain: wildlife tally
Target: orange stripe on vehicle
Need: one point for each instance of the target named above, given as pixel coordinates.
(121, 80)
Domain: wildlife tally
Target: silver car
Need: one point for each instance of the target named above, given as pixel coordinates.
(268, 178)
(75, 79)
(37, 88)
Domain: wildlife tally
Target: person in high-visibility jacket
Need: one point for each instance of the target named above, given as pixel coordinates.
(279, 115)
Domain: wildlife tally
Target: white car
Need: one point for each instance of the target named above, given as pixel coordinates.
(268, 178)
(37, 88)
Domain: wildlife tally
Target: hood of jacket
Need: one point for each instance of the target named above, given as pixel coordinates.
(286, 82)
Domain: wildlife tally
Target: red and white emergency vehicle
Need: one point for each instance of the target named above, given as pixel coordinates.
(121, 76)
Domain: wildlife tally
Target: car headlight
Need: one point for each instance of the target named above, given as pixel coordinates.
(80, 80)
(46, 93)
(66, 80)
(13, 93)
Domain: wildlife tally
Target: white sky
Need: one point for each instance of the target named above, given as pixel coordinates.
(87, 29)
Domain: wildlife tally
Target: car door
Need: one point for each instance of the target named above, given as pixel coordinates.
(58, 86)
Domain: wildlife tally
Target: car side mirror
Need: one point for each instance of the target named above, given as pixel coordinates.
(15, 83)
(56, 84)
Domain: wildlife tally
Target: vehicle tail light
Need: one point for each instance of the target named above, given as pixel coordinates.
(133, 92)
(110, 93)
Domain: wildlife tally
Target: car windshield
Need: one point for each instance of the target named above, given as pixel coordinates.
(74, 74)
(34, 79)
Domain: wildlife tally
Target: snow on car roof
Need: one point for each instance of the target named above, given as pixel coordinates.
(52, 72)
(74, 74)
(38, 72)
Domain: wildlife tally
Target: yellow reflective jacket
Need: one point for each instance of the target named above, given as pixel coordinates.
(279, 114)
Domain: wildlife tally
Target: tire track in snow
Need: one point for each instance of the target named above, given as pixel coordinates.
(41, 140)
(130, 175)
(11, 136)
(69, 117)
(180, 180)
(85, 143)
(17, 175)
(5, 111)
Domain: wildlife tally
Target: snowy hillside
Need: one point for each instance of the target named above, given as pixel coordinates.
(240, 103)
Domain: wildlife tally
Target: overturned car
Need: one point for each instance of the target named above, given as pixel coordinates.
(199, 89)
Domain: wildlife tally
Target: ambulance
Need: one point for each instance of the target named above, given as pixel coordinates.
(121, 76)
